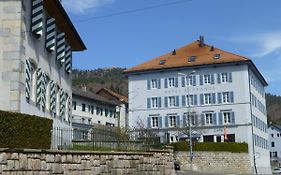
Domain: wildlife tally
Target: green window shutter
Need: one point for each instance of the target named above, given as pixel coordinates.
(61, 48)
(50, 34)
(37, 18)
(68, 59)
(28, 75)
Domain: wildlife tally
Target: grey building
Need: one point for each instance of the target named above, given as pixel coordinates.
(219, 93)
(274, 144)
(36, 43)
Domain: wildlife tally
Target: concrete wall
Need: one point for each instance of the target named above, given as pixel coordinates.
(40, 162)
(216, 162)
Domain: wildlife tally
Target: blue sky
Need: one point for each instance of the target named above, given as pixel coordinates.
(251, 28)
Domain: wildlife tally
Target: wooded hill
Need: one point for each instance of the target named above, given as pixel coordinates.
(114, 79)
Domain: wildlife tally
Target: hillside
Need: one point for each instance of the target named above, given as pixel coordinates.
(112, 78)
(273, 103)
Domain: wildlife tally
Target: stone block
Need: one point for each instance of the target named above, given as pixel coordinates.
(50, 158)
(68, 158)
(3, 158)
(57, 169)
(10, 165)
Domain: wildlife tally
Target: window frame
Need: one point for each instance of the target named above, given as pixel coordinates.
(172, 101)
(209, 118)
(224, 77)
(154, 84)
(226, 118)
(154, 122)
(172, 121)
(171, 82)
(208, 98)
(154, 102)
(206, 79)
(225, 97)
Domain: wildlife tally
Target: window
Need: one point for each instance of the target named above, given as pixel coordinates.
(74, 105)
(155, 122)
(171, 82)
(89, 108)
(162, 62)
(207, 99)
(278, 135)
(154, 101)
(190, 100)
(172, 101)
(217, 56)
(172, 121)
(191, 119)
(224, 77)
(192, 59)
(208, 118)
(272, 144)
(97, 110)
(225, 97)
(226, 117)
(106, 112)
(207, 79)
(83, 107)
(154, 84)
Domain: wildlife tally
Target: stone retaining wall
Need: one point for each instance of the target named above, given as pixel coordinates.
(45, 162)
(216, 162)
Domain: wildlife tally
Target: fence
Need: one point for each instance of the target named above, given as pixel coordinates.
(105, 138)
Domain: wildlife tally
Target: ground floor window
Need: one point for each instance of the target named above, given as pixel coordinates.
(273, 154)
(213, 138)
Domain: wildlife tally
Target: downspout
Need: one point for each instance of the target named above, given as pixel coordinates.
(255, 166)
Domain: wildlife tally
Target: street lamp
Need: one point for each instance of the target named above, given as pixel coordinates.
(187, 75)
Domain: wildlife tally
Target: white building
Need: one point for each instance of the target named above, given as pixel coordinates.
(274, 143)
(224, 90)
(36, 43)
(89, 109)
(121, 109)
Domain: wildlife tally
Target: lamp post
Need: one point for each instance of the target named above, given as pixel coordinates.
(188, 113)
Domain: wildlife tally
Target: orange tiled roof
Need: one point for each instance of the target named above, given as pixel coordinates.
(115, 94)
(204, 56)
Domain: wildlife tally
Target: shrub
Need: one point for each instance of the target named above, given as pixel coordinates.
(211, 146)
(24, 131)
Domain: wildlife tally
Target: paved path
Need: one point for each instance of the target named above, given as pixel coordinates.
(194, 173)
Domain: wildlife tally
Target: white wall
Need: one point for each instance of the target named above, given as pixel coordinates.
(95, 118)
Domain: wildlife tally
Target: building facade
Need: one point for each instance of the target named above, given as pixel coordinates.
(122, 108)
(89, 109)
(219, 93)
(36, 43)
(274, 144)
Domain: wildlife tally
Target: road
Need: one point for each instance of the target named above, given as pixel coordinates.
(193, 173)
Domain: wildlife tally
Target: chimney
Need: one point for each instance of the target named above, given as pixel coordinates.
(201, 41)
(174, 52)
(212, 48)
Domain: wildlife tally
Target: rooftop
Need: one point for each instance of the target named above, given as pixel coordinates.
(193, 54)
(92, 96)
(56, 10)
(120, 97)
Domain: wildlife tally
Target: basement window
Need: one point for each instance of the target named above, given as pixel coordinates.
(162, 62)
(217, 56)
(192, 59)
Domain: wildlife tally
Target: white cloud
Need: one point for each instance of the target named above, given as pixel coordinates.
(264, 44)
(80, 6)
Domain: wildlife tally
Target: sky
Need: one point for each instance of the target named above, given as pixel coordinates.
(125, 33)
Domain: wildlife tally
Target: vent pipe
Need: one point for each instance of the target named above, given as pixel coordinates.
(174, 52)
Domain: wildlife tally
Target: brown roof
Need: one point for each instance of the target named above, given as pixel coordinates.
(204, 56)
(120, 97)
(55, 10)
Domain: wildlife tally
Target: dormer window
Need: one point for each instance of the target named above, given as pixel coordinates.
(192, 59)
(162, 62)
(217, 56)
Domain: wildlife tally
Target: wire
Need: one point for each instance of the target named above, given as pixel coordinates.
(132, 11)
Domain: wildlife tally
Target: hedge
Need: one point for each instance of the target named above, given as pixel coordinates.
(211, 146)
(24, 131)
